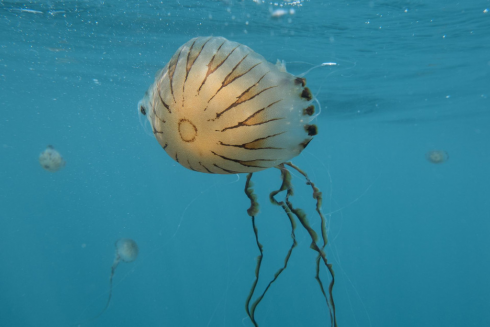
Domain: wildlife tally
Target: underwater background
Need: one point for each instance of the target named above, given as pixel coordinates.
(408, 238)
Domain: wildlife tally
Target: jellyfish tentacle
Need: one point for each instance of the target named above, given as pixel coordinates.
(254, 204)
(304, 221)
(113, 269)
(251, 310)
(293, 236)
(252, 211)
(317, 195)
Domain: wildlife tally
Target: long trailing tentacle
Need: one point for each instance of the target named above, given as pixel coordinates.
(252, 211)
(290, 211)
(284, 187)
(304, 221)
(113, 269)
(317, 195)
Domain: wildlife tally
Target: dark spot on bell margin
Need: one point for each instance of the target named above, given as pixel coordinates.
(300, 80)
(306, 94)
(309, 111)
(143, 110)
(312, 130)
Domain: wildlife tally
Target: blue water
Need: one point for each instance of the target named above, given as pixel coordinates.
(408, 239)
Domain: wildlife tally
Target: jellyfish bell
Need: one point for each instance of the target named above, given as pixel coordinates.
(126, 249)
(437, 156)
(51, 160)
(219, 107)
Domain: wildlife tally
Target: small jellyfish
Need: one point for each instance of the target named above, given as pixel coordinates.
(127, 251)
(51, 160)
(437, 156)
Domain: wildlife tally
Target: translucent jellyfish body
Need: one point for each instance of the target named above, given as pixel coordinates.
(126, 250)
(437, 156)
(51, 160)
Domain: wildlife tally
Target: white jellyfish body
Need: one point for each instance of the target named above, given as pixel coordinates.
(219, 107)
(437, 156)
(126, 250)
(51, 160)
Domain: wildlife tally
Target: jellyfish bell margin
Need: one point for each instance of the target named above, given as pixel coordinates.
(218, 107)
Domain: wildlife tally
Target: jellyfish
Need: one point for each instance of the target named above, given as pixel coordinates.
(51, 160)
(437, 156)
(218, 107)
(127, 251)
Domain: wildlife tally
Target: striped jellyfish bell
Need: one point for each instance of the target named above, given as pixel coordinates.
(219, 107)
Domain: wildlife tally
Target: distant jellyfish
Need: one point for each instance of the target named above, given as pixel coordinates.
(51, 160)
(437, 156)
(127, 251)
